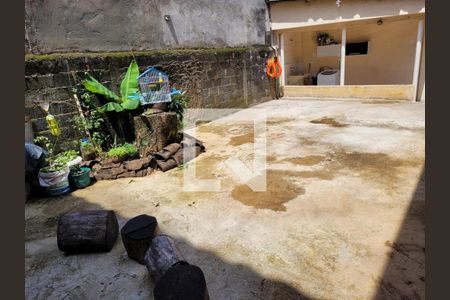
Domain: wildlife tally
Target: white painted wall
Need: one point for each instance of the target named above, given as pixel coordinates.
(294, 14)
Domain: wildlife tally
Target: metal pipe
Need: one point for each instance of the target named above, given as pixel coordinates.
(417, 59)
(342, 62)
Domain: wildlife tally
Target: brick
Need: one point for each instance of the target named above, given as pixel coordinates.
(63, 121)
(31, 83)
(35, 112)
(32, 96)
(63, 79)
(58, 108)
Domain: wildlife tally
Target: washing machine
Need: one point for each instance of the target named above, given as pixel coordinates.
(329, 77)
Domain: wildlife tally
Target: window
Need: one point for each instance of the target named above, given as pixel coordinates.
(356, 48)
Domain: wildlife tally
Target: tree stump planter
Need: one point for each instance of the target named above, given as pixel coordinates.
(155, 131)
(161, 255)
(182, 282)
(137, 236)
(87, 231)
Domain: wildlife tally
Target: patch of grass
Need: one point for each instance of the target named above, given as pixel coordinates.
(125, 150)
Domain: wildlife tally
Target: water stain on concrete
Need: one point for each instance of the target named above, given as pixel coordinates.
(324, 174)
(279, 121)
(378, 167)
(328, 121)
(242, 139)
(279, 191)
(205, 167)
(309, 160)
(225, 129)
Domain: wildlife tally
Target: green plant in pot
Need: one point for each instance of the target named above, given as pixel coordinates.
(54, 176)
(87, 149)
(120, 153)
(80, 176)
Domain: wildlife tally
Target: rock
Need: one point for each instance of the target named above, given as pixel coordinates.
(141, 173)
(109, 164)
(193, 152)
(167, 151)
(166, 165)
(137, 164)
(150, 170)
(109, 171)
(127, 174)
(153, 132)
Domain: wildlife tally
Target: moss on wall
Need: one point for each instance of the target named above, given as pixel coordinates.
(190, 51)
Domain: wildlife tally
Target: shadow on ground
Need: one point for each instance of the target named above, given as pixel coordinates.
(404, 275)
(52, 275)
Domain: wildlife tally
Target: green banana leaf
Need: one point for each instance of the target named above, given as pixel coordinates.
(110, 106)
(129, 84)
(92, 85)
(130, 104)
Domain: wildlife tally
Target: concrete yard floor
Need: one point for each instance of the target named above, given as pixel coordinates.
(342, 217)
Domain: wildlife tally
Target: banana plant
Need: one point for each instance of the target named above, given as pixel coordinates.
(128, 87)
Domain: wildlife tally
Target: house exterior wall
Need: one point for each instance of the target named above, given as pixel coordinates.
(112, 25)
(294, 14)
(390, 58)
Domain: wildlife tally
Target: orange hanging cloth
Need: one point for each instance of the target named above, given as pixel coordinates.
(273, 67)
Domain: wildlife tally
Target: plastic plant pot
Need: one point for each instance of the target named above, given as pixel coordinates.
(88, 152)
(55, 182)
(81, 177)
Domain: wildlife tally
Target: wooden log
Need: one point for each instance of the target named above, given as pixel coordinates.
(155, 131)
(137, 236)
(161, 255)
(87, 231)
(182, 282)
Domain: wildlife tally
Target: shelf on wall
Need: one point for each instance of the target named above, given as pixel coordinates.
(329, 50)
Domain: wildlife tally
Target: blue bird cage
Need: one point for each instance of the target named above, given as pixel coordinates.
(154, 86)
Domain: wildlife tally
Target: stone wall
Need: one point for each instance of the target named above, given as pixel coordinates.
(214, 78)
(112, 25)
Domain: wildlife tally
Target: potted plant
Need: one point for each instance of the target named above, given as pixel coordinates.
(120, 153)
(54, 176)
(87, 149)
(80, 176)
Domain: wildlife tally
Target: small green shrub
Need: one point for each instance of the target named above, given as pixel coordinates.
(66, 156)
(131, 149)
(178, 104)
(125, 150)
(56, 162)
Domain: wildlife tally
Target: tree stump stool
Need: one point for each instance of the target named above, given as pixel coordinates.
(161, 255)
(87, 231)
(182, 282)
(137, 236)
